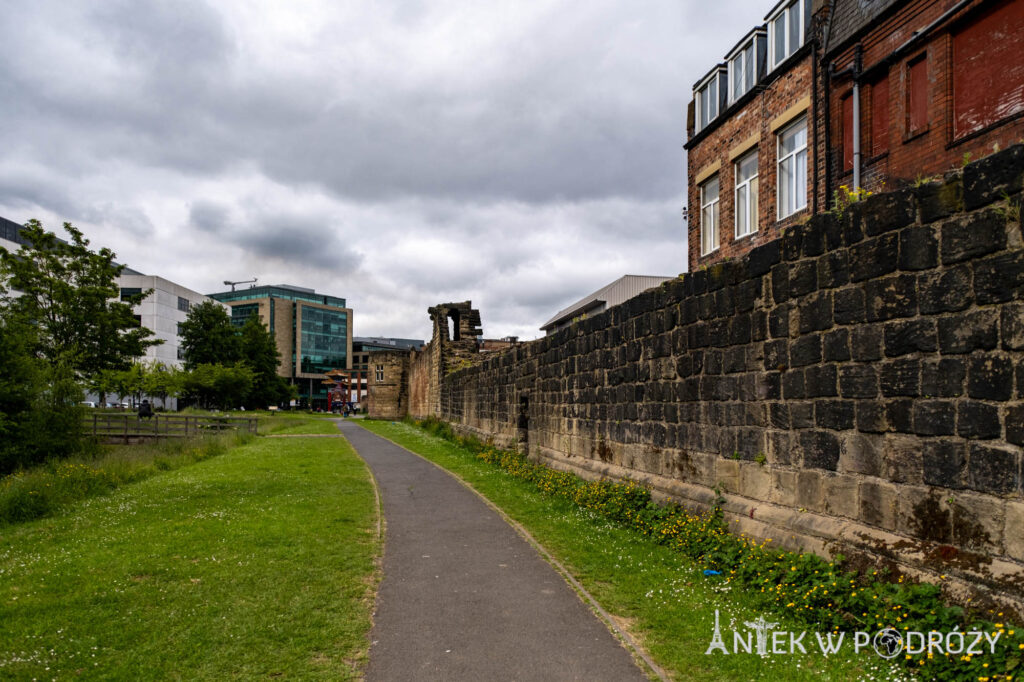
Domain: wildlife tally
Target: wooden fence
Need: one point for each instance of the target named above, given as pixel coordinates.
(129, 426)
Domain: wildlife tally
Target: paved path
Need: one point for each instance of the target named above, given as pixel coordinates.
(464, 597)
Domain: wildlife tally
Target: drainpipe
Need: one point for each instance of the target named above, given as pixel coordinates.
(857, 64)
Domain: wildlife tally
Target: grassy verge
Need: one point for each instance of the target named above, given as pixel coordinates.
(663, 598)
(293, 423)
(51, 487)
(259, 563)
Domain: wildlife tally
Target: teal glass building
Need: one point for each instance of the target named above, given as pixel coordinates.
(313, 333)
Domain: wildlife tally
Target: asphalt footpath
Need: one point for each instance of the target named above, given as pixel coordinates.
(464, 597)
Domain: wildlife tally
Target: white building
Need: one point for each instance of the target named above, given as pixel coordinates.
(162, 312)
(619, 291)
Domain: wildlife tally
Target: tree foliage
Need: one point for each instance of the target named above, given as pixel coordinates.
(208, 337)
(259, 352)
(70, 295)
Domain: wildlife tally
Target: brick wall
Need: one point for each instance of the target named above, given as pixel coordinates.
(856, 386)
(937, 149)
(719, 146)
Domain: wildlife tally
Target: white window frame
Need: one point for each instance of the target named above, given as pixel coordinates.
(713, 204)
(748, 78)
(751, 206)
(791, 156)
(378, 374)
(784, 12)
(700, 93)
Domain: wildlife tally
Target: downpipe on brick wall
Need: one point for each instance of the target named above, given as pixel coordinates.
(855, 70)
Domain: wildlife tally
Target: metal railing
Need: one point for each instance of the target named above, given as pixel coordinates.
(129, 426)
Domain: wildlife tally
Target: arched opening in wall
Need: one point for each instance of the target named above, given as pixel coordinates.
(453, 325)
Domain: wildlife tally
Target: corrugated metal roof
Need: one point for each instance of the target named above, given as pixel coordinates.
(619, 291)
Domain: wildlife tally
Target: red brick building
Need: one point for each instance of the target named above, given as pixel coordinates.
(938, 81)
(751, 139)
(919, 83)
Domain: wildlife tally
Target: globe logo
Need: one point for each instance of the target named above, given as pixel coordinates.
(888, 643)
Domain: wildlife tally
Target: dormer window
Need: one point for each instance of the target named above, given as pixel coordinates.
(708, 97)
(787, 29)
(746, 64)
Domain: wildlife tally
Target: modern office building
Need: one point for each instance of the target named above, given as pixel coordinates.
(313, 333)
(162, 312)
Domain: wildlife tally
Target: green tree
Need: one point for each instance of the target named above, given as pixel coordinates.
(208, 338)
(40, 415)
(70, 294)
(259, 353)
(162, 382)
(218, 386)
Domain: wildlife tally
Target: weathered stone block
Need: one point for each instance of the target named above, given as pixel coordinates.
(784, 487)
(977, 420)
(805, 350)
(993, 469)
(940, 199)
(965, 332)
(836, 345)
(755, 481)
(780, 283)
(878, 504)
(900, 415)
(901, 378)
(816, 312)
(840, 495)
(978, 522)
(1013, 537)
(945, 291)
(866, 343)
(973, 236)
(1015, 425)
(902, 459)
(988, 179)
(934, 418)
(850, 307)
(802, 414)
(836, 415)
(834, 269)
(910, 336)
(793, 384)
(999, 278)
(943, 379)
(990, 378)
(809, 490)
(776, 355)
(891, 297)
(888, 211)
(944, 463)
(761, 259)
(803, 278)
(871, 417)
(919, 248)
(923, 514)
(874, 257)
(727, 473)
(821, 381)
(1012, 326)
(820, 449)
(780, 447)
(858, 381)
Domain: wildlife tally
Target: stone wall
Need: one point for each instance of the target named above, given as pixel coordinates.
(856, 386)
(387, 384)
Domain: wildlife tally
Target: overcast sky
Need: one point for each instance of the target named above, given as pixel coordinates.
(397, 153)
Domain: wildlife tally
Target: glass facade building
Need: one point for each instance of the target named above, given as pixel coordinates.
(313, 333)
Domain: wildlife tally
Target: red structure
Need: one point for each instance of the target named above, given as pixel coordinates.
(835, 93)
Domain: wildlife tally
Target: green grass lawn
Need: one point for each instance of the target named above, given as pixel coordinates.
(660, 596)
(257, 563)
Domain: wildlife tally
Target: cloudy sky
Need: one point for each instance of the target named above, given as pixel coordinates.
(399, 153)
